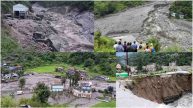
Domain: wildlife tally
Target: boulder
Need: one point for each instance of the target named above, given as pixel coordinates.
(59, 69)
(38, 35)
(41, 16)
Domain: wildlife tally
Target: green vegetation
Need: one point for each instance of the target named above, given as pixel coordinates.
(42, 92)
(8, 101)
(182, 7)
(22, 82)
(6, 6)
(39, 99)
(111, 104)
(102, 8)
(103, 43)
(143, 59)
(81, 5)
(173, 48)
(155, 43)
(100, 63)
(8, 43)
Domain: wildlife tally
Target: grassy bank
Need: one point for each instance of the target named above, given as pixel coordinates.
(111, 104)
(50, 69)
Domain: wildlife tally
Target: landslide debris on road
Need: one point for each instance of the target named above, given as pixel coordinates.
(54, 29)
(148, 20)
(162, 89)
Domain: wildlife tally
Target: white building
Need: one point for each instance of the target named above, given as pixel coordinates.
(20, 11)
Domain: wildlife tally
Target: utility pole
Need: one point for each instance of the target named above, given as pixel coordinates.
(126, 68)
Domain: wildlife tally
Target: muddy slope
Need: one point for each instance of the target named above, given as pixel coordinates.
(54, 29)
(145, 21)
(163, 89)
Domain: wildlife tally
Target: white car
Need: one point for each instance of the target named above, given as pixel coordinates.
(19, 92)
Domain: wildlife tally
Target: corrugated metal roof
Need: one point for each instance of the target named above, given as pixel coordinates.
(20, 7)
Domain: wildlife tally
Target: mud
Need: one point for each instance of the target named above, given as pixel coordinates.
(63, 30)
(162, 89)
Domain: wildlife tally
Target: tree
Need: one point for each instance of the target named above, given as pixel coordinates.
(63, 80)
(20, 73)
(22, 82)
(42, 92)
(76, 77)
(88, 62)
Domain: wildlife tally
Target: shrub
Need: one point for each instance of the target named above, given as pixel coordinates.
(155, 43)
(8, 101)
(172, 48)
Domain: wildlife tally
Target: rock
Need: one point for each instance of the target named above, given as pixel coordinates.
(59, 69)
(41, 16)
(38, 35)
(38, 18)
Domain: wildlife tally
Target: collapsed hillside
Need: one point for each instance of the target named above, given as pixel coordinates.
(162, 89)
(53, 29)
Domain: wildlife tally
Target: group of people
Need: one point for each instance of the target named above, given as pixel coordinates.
(133, 47)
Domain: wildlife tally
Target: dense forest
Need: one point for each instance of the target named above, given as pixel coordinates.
(143, 59)
(182, 7)
(102, 8)
(102, 63)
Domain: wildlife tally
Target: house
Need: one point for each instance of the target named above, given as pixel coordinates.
(82, 74)
(181, 16)
(15, 68)
(101, 78)
(150, 67)
(172, 66)
(20, 11)
(84, 89)
(173, 14)
(59, 69)
(57, 88)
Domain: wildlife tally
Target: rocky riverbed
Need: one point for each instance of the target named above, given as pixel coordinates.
(54, 29)
(149, 20)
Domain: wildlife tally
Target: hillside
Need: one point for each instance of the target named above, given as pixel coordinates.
(57, 27)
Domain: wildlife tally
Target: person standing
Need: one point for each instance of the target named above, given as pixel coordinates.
(134, 46)
(125, 46)
(119, 48)
(115, 45)
(129, 48)
(147, 49)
